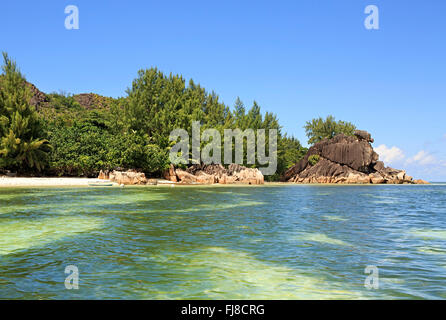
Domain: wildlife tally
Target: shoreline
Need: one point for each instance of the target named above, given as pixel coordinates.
(45, 182)
(12, 182)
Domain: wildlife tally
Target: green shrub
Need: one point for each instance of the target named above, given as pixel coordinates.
(313, 159)
(319, 129)
(87, 147)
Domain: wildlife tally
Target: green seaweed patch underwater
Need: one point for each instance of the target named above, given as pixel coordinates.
(16, 235)
(221, 273)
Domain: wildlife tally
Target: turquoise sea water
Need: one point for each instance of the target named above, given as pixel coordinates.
(272, 242)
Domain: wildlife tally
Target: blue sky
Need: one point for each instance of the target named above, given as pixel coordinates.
(298, 59)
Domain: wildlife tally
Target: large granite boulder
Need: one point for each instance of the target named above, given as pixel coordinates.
(130, 177)
(170, 175)
(345, 159)
(204, 178)
(363, 135)
(376, 178)
(245, 175)
(354, 152)
(185, 177)
(216, 173)
(103, 175)
(225, 179)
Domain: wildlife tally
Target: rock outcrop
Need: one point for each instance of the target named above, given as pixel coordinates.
(195, 174)
(130, 177)
(170, 174)
(37, 97)
(245, 175)
(420, 181)
(345, 159)
(87, 101)
(91, 101)
(216, 173)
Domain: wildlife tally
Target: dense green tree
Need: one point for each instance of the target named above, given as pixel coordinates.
(157, 104)
(319, 129)
(22, 146)
(290, 151)
(313, 159)
(90, 133)
(85, 148)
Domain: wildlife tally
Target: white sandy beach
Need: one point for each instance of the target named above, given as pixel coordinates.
(45, 182)
(6, 181)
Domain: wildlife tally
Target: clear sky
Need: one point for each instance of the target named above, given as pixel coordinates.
(298, 59)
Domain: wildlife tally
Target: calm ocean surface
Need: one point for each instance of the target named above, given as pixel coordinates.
(272, 242)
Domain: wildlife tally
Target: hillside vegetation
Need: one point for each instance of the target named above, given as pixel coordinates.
(79, 135)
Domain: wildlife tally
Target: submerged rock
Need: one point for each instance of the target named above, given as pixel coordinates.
(345, 159)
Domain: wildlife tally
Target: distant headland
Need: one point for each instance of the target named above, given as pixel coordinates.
(346, 159)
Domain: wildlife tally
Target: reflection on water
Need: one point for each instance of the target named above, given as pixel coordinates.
(275, 242)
